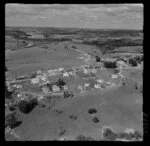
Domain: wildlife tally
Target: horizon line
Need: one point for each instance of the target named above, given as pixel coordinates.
(74, 27)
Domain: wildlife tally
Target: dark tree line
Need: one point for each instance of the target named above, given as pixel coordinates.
(109, 64)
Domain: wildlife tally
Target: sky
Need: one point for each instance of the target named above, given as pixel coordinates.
(95, 16)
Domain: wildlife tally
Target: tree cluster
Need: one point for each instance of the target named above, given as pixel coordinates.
(110, 64)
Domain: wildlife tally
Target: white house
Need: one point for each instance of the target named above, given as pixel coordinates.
(100, 81)
(39, 72)
(66, 74)
(35, 81)
(55, 88)
(85, 71)
(61, 69)
(114, 76)
(97, 86)
(94, 71)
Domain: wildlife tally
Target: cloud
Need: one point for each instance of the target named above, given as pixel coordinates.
(86, 13)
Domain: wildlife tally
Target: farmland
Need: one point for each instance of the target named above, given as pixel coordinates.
(66, 72)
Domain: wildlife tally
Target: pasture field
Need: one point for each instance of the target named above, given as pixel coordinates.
(57, 115)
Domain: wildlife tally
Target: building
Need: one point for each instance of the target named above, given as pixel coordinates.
(122, 63)
(65, 74)
(94, 71)
(39, 72)
(100, 81)
(55, 88)
(72, 73)
(40, 98)
(43, 78)
(86, 86)
(61, 69)
(114, 76)
(65, 88)
(85, 71)
(80, 88)
(97, 86)
(18, 86)
(35, 81)
(45, 89)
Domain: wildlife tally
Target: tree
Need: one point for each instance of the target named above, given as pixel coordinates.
(12, 121)
(108, 134)
(81, 137)
(133, 62)
(60, 82)
(97, 58)
(6, 68)
(27, 106)
(110, 64)
(33, 75)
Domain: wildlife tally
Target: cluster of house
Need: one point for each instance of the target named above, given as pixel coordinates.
(41, 78)
(98, 84)
(85, 57)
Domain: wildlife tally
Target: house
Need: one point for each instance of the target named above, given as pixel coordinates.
(39, 72)
(45, 89)
(121, 63)
(65, 74)
(94, 71)
(80, 88)
(86, 86)
(40, 98)
(65, 88)
(97, 86)
(71, 73)
(114, 76)
(61, 69)
(43, 78)
(100, 81)
(18, 86)
(55, 88)
(35, 81)
(85, 71)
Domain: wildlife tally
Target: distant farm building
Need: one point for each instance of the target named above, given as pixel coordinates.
(66, 74)
(55, 88)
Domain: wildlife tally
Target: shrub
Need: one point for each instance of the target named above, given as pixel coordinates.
(60, 82)
(27, 106)
(97, 59)
(12, 121)
(12, 107)
(108, 134)
(137, 135)
(74, 47)
(73, 117)
(33, 75)
(6, 68)
(8, 94)
(68, 94)
(95, 119)
(133, 62)
(109, 64)
(84, 138)
(92, 111)
(124, 135)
